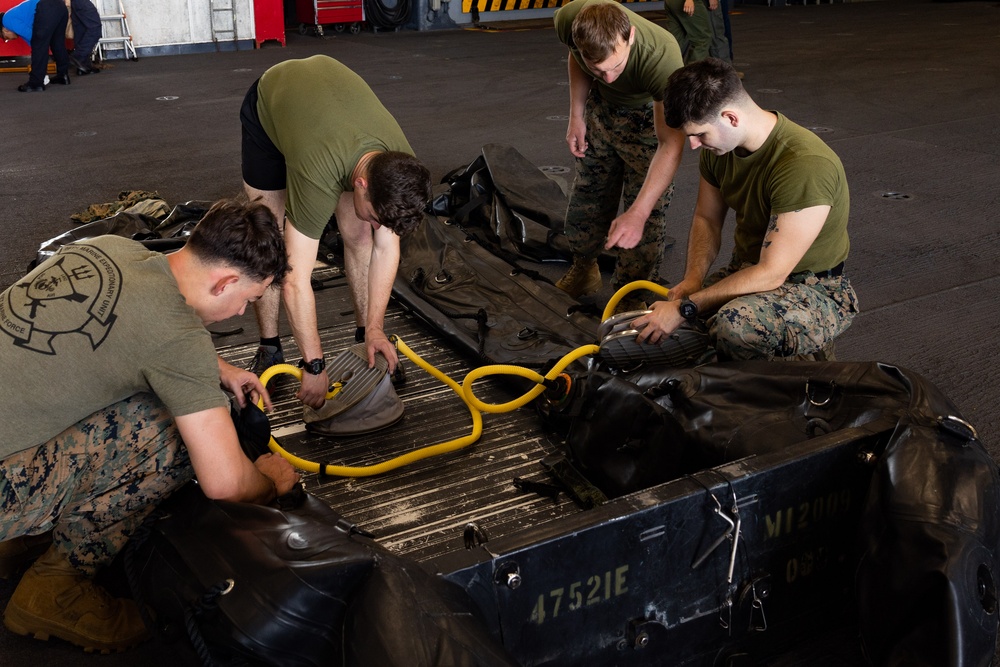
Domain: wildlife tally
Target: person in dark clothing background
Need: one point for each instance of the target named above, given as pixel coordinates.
(86, 33)
(41, 23)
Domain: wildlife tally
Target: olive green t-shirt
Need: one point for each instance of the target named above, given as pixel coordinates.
(322, 117)
(99, 321)
(794, 169)
(652, 59)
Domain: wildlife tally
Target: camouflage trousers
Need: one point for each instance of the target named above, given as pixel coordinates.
(95, 482)
(621, 142)
(802, 316)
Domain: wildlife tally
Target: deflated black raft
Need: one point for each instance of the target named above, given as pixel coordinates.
(750, 505)
(727, 511)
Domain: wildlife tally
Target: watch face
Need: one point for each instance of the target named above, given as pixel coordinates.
(314, 367)
(688, 310)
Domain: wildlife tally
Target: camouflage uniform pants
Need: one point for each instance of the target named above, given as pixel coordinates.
(621, 142)
(800, 317)
(93, 484)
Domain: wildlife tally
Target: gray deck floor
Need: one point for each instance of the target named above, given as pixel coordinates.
(904, 90)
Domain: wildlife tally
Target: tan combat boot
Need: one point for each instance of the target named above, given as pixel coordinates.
(584, 277)
(56, 600)
(630, 304)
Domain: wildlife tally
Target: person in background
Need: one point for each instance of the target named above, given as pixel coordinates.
(722, 35)
(690, 23)
(86, 23)
(41, 23)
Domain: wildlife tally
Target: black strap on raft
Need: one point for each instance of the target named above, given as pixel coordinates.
(207, 602)
(577, 486)
(541, 488)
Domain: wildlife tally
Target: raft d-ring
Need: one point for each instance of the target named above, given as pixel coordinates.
(230, 585)
(958, 426)
(526, 333)
(811, 394)
(474, 535)
(442, 277)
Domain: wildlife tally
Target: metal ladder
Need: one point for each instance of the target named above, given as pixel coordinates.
(119, 22)
(228, 24)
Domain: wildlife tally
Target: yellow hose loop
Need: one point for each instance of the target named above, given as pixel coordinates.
(609, 309)
(391, 464)
(503, 369)
(295, 371)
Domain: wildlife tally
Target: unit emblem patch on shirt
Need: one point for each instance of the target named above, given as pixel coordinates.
(75, 292)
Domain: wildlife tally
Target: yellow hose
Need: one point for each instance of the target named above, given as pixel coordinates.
(476, 407)
(391, 464)
(609, 309)
(504, 369)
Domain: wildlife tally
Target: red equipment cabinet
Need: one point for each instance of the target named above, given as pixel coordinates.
(342, 14)
(269, 21)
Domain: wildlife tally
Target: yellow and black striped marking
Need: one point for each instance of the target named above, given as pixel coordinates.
(477, 6)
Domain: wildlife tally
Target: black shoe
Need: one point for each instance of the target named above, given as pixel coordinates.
(83, 68)
(265, 357)
(27, 88)
(61, 79)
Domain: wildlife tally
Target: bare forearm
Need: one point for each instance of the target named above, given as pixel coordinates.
(662, 169)
(222, 469)
(751, 280)
(579, 88)
(300, 305)
(704, 241)
(379, 290)
(260, 490)
(384, 261)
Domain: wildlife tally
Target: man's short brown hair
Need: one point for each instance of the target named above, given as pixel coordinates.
(598, 30)
(242, 236)
(399, 187)
(698, 91)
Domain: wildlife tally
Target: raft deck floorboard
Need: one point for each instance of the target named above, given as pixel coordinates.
(420, 510)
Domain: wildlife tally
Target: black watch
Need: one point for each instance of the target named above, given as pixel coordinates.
(689, 309)
(314, 367)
